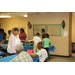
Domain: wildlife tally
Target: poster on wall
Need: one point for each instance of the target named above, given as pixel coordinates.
(65, 33)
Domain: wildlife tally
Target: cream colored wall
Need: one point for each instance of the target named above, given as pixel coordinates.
(73, 28)
(9, 23)
(60, 42)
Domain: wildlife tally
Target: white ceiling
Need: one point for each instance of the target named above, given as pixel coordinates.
(20, 14)
(16, 14)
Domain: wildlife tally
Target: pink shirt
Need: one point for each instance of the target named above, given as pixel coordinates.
(21, 37)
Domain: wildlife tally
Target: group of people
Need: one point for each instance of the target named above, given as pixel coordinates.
(41, 46)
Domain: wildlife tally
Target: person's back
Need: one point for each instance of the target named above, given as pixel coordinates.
(36, 39)
(22, 57)
(42, 55)
(47, 42)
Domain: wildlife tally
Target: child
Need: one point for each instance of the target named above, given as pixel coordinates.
(47, 42)
(42, 53)
(36, 39)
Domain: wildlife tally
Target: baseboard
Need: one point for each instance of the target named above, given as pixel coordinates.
(60, 55)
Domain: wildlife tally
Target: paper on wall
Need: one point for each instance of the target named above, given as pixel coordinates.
(65, 33)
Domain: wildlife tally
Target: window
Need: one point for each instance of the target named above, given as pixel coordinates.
(51, 29)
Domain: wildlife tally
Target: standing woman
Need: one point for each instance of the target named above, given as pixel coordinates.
(43, 32)
(22, 35)
(13, 41)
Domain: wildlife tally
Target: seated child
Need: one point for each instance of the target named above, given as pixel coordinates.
(47, 42)
(36, 39)
(42, 53)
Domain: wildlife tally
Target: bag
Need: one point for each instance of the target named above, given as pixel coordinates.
(30, 51)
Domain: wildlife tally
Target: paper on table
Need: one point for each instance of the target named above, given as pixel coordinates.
(65, 33)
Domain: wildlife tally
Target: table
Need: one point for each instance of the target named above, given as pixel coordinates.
(51, 48)
(8, 58)
(27, 47)
(4, 46)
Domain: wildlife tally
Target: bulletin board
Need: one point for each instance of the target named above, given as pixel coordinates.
(54, 29)
(37, 28)
(51, 29)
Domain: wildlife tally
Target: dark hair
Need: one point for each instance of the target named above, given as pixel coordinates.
(22, 30)
(37, 33)
(47, 35)
(2, 30)
(41, 44)
(16, 29)
(4, 34)
(43, 30)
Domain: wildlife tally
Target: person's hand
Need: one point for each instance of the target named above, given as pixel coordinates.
(22, 43)
(21, 36)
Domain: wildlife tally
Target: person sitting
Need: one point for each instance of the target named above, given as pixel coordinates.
(36, 39)
(22, 55)
(42, 53)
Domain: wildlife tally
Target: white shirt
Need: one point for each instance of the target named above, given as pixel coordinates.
(13, 41)
(42, 55)
(36, 39)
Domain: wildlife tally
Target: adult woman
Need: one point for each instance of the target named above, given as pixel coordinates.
(22, 35)
(13, 41)
(43, 32)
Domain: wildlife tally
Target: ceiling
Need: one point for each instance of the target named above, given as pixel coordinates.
(16, 14)
(20, 14)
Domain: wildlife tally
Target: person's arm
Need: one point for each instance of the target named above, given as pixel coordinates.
(42, 37)
(49, 43)
(33, 55)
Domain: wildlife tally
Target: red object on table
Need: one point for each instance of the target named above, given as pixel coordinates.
(30, 51)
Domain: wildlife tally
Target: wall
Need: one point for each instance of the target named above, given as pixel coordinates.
(60, 42)
(9, 23)
(73, 28)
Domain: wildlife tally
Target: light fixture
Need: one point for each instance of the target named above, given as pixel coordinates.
(63, 24)
(25, 15)
(5, 16)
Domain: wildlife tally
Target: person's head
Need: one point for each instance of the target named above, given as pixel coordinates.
(16, 31)
(37, 34)
(19, 48)
(22, 30)
(2, 31)
(43, 31)
(46, 35)
(12, 30)
(4, 35)
(40, 45)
